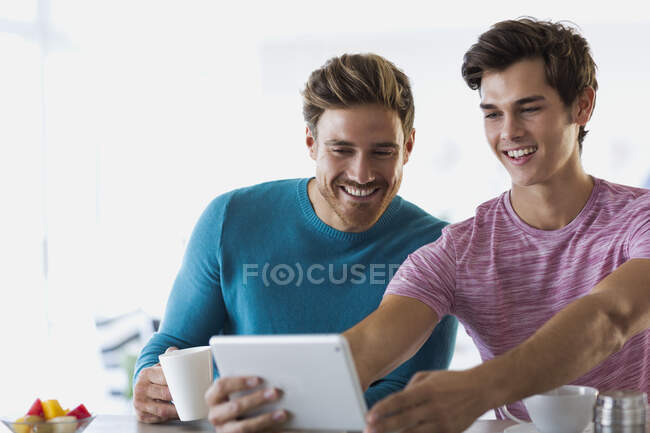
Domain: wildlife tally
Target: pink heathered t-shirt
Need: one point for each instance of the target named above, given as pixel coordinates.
(504, 279)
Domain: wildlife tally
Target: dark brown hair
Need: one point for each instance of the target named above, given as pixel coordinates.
(569, 67)
(356, 79)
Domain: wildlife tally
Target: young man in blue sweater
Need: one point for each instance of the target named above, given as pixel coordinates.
(304, 255)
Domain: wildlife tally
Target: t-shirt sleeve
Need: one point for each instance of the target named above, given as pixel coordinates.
(639, 240)
(429, 275)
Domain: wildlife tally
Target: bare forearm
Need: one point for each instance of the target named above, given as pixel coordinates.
(572, 343)
(389, 336)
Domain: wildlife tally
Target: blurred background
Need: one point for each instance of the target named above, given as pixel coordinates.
(121, 120)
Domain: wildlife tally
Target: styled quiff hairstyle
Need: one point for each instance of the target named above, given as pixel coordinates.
(568, 64)
(355, 79)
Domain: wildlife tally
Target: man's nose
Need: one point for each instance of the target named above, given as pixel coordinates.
(361, 170)
(512, 129)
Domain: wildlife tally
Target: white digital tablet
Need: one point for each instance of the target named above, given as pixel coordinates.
(316, 374)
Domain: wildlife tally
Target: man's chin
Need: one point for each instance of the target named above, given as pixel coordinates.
(361, 221)
(358, 215)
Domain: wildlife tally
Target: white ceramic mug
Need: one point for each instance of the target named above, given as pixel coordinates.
(188, 373)
(567, 409)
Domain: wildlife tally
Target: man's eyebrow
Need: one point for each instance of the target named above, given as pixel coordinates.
(522, 101)
(335, 142)
(529, 99)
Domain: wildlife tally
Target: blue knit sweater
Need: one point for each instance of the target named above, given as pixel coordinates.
(260, 261)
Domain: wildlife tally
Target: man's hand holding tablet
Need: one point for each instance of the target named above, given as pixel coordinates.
(226, 413)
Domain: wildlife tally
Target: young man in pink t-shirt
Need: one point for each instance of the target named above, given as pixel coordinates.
(551, 279)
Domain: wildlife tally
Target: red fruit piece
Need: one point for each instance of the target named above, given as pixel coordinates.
(79, 412)
(36, 409)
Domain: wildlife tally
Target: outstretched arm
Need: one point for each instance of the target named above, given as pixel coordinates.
(573, 342)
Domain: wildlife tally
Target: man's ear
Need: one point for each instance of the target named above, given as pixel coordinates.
(408, 145)
(310, 140)
(584, 106)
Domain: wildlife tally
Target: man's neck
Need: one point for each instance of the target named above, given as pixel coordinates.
(555, 203)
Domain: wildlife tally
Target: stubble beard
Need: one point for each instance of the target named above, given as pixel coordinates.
(363, 215)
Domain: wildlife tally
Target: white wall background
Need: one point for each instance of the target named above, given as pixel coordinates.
(120, 120)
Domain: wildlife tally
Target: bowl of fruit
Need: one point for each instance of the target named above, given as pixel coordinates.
(49, 417)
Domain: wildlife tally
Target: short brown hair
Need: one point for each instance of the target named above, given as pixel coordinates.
(568, 64)
(356, 79)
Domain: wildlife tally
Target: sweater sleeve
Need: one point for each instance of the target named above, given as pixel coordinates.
(435, 354)
(195, 309)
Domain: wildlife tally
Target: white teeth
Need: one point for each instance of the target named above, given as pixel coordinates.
(521, 152)
(358, 192)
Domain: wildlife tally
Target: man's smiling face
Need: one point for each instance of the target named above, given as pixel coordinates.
(531, 131)
(360, 153)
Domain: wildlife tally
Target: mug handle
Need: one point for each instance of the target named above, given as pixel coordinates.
(504, 409)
